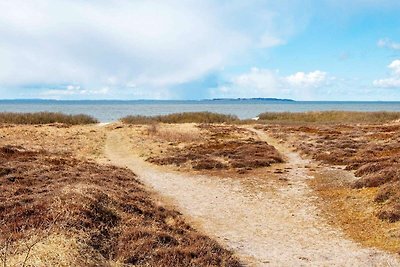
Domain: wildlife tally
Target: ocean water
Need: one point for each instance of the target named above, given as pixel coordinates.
(108, 111)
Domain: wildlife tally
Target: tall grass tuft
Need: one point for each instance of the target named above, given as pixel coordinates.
(328, 117)
(186, 117)
(45, 118)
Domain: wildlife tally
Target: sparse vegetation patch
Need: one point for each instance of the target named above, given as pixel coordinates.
(45, 118)
(186, 117)
(221, 147)
(328, 117)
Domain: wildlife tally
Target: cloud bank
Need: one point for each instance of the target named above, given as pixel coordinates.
(185, 49)
(128, 45)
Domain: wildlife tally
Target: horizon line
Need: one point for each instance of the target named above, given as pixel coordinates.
(194, 100)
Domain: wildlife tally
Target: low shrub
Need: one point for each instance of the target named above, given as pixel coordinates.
(328, 117)
(185, 117)
(45, 118)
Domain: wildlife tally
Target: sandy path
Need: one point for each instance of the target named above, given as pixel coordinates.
(264, 227)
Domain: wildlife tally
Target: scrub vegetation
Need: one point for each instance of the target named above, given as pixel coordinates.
(186, 117)
(328, 117)
(56, 210)
(222, 147)
(45, 118)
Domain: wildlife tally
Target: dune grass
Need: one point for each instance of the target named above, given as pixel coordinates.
(45, 118)
(185, 117)
(328, 117)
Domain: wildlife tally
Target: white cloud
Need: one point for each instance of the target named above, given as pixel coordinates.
(394, 80)
(311, 79)
(395, 67)
(117, 43)
(387, 83)
(269, 83)
(387, 43)
(73, 90)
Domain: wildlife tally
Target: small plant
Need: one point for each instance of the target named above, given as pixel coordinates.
(152, 129)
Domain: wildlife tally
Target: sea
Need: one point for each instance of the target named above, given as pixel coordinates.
(112, 110)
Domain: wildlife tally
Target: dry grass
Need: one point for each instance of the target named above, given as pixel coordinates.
(173, 135)
(45, 118)
(354, 211)
(328, 117)
(58, 210)
(186, 117)
(83, 141)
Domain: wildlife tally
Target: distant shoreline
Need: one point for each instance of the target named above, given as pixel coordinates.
(214, 100)
(35, 100)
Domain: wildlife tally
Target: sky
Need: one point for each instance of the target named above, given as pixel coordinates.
(190, 49)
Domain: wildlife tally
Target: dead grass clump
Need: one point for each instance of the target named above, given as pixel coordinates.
(372, 167)
(223, 155)
(389, 194)
(45, 118)
(328, 117)
(377, 177)
(102, 214)
(386, 192)
(390, 213)
(175, 135)
(208, 164)
(218, 132)
(185, 117)
(211, 147)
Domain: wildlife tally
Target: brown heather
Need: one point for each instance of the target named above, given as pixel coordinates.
(56, 210)
(221, 147)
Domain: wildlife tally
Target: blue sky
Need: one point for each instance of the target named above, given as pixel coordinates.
(187, 49)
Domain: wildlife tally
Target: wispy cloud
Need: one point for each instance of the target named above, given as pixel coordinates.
(387, 43)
